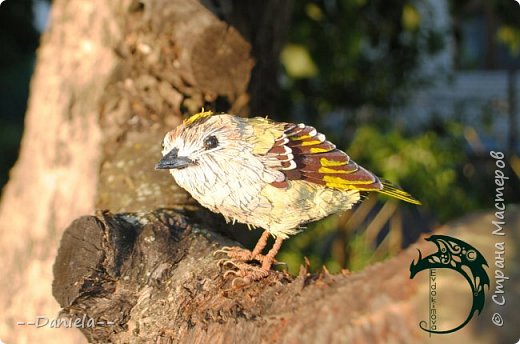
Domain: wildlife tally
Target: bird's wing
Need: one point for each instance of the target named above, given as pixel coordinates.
(302, 153)
(265, 133)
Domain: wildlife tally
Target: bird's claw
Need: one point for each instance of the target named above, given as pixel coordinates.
(231, 272)
(238, 278)
(223, 262)
(237, 266)
(235, 252)
(223, 250)
(245, 273)
(244, 280)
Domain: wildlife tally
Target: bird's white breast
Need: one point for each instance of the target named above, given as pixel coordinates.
(243, 196)
(231, 187)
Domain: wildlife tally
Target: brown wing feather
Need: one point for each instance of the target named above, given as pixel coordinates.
(305, 154)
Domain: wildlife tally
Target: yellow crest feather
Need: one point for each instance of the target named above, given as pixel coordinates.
(197, 118)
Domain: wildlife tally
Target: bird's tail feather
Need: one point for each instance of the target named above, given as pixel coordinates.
(392, 190)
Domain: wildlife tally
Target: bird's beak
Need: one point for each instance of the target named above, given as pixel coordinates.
(173, 161)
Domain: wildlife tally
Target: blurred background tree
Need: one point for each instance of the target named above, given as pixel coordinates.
(371, 75)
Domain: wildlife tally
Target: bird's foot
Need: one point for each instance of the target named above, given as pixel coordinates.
(236, 253)
(245, 273)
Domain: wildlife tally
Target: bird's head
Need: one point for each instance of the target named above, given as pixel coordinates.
(208, 154)
(206, 147)
(201, 140)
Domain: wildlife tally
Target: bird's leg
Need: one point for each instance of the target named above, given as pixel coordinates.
(242, 254)
(248, 273)
(260, 245)
(268, 259)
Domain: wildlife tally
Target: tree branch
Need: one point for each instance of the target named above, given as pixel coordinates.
(155, 277)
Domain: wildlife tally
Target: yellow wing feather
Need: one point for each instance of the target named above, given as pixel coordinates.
(265, 133)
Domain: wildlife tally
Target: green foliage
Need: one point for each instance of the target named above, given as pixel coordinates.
(428, 164)
(315, 244)
(297, 61)
(508, 31)
(360, 52)
(495, 21)
(510, 36)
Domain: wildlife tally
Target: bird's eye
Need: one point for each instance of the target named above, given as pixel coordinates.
(210, 142)
(162, 145)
